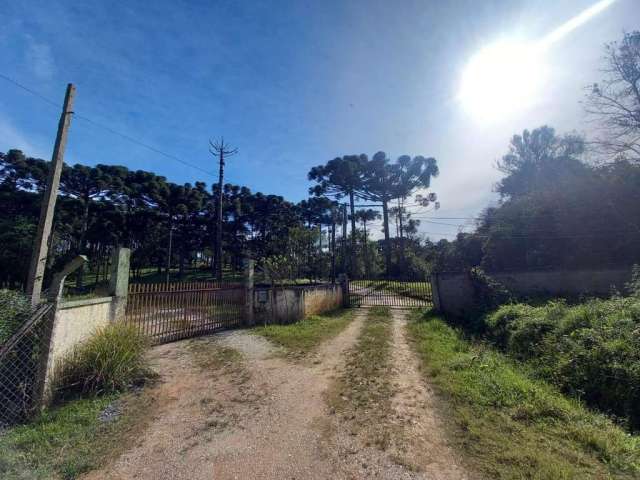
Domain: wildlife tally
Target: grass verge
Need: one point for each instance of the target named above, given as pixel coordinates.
(66, 441)
(511, 425)
(301, 337)
(362, 395)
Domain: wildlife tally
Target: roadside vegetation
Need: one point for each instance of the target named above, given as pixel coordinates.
(93, 418)
(590, 351)
(511, 424)
(73, 438)
(362, 395)
(302, 337)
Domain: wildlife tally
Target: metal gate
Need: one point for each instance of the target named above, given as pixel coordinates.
(169, 312)
(390, 292)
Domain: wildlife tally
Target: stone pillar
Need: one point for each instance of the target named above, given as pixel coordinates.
(249, 319)
(119, 282)
(344, 285)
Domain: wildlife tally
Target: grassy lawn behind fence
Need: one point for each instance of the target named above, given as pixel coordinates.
(301, 337)
(512, 426)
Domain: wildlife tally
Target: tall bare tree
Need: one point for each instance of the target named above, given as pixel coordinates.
(615, 102)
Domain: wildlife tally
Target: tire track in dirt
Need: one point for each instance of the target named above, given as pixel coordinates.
(422, 443)
(257, 421)
(261, 416)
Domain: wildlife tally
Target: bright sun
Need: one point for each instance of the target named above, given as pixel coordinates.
(509, 76)
(502, 78)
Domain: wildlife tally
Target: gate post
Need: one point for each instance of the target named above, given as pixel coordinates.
(119, 282)
(435, 292)
(344, 285)
(248, 289)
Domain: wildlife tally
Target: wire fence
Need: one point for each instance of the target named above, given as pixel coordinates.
(21, 367)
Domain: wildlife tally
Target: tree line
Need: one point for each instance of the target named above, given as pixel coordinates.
(169, 225)
(104, 206)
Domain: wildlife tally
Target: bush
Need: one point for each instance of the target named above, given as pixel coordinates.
(112, 360)
(15, 309)
(590, 350)
(488, 294)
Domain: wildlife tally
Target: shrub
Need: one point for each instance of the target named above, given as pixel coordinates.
(15, 309)
(110, 361)
(590, 350)
(488, 294)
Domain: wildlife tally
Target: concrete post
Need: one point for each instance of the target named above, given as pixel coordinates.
(249, 266)
(344, 284)
(47, 209)
(119, 282)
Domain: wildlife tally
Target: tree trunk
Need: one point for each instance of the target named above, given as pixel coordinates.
(352, 254)
(402, 257)
(364, 250)
(387, 240)
(81, 242)
(333, 248)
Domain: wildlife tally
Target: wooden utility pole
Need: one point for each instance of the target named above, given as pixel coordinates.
(43, 235)
(220, 150)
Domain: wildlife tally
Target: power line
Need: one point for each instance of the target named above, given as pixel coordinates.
(33, 92)
(107, 128)
(540, 237)
(142, 144)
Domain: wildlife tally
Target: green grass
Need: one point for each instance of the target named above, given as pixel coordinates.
(151, 275)
(511, 425)
(66, 441)
(362, 395)
(301, 337)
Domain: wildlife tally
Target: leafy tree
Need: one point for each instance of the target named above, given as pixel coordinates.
(538, 158)
(339, 178)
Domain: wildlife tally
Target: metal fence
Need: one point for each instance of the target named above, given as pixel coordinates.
(169, 312)
(21, 367)
(390, 292)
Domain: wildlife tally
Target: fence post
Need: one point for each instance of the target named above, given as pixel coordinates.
(435, 292)
(119, 282)
(248, 288)
(43, 389)
(344, 284)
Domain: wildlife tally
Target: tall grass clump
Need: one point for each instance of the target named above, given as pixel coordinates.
(110, 361)
(590, 350)
(15, 309)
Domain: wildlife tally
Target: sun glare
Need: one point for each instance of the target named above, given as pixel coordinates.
(502, 78)
(508, 76)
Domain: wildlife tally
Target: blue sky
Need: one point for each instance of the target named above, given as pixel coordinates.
(292, 84)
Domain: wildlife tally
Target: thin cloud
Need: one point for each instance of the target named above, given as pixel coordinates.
(39, 58)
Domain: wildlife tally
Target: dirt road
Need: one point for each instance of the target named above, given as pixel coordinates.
(262, 416)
